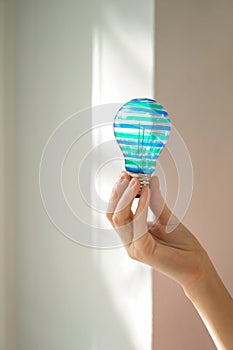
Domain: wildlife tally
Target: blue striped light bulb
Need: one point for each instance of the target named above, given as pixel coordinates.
(141, 128)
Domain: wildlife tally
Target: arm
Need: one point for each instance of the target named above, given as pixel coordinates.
(177, 254)
(215, 306)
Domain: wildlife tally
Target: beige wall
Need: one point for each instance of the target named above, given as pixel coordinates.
(194, 80)
(7, 266)
(2, 180)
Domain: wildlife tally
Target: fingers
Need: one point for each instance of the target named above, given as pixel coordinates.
(119, 211)
(144, 246)
(123, 209)
(157, 203)
(117, 191)
(133, 229)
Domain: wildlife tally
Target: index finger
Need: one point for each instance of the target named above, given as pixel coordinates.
(117, 191)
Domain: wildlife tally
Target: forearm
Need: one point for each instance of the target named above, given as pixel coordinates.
(215, 306)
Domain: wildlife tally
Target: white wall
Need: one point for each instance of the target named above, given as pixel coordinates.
(52, 80)
(61, 294)
(194, 80)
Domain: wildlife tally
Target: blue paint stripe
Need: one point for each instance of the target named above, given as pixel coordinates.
(142, 126)
(145, 99)
(144, 156)
(140, 170)
(131, 111)
(141, 144)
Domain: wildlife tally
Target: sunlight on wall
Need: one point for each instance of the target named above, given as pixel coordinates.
(123, 52)
(122, 69)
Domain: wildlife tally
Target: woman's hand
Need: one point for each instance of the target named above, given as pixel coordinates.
(169, 247)
(177, 254)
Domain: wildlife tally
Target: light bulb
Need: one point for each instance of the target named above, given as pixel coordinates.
(141, 128)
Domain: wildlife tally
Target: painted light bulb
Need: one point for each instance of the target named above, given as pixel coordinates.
(141, 128)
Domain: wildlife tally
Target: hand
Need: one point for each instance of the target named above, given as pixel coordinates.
(177, 254)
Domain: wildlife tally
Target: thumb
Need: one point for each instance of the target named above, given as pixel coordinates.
(140, 218)
(157, 203)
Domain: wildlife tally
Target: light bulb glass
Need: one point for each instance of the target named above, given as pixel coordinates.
(141, 128)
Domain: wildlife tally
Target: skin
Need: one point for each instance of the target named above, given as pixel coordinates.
(169, 247)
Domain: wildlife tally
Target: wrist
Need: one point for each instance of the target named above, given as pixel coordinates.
(207, 285)
(204, 280)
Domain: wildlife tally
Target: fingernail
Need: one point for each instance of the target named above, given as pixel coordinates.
(124, 177)
(133, 182)
(115, 195)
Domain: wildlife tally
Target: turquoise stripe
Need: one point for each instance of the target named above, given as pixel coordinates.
(139, 162)
(145, 105)
(141, 126)
(145, 137)
(141, 156)
(155, 143)
(143, 119)
(158, 112)
(142, 149)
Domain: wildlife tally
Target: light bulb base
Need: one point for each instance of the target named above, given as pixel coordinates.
(143, 178)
